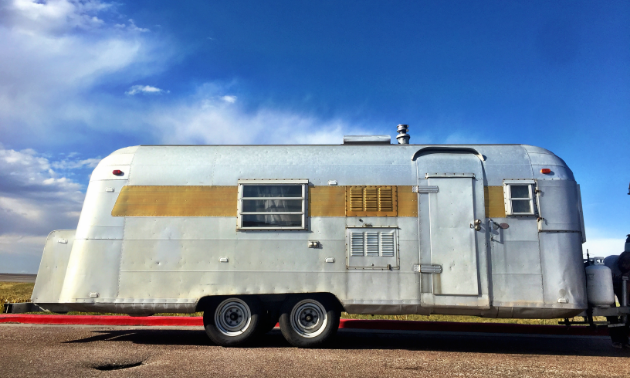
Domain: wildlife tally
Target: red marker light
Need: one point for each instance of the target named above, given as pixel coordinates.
(545, 171)
(117, 172)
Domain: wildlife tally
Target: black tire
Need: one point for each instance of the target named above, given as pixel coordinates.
(233, 321)
(309, 321)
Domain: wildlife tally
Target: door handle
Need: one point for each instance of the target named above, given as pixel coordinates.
(476, 224)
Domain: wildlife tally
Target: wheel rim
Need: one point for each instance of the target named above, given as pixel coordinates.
(308, 318)
(232, 317)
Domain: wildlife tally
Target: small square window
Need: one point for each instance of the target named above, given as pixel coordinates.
(272, 204)
(519, 197)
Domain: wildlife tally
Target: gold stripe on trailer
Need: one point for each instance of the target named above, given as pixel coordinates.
(407, 202)
(327, 201)
(494, 202)
(221, 201)
(176, 201)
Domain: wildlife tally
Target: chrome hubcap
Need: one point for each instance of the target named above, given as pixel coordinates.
(232, 317)
(308, 318)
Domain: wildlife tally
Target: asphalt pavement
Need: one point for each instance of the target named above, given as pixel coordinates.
(86, 351)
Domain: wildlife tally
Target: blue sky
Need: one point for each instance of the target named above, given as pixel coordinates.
(79, 79)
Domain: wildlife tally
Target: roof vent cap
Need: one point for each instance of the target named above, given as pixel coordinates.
(367, 139)
(403, 137)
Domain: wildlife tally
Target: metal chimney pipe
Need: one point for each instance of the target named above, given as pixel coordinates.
(403, 137)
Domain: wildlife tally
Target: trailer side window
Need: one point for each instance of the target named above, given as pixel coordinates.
(272, 204)
(519, 197)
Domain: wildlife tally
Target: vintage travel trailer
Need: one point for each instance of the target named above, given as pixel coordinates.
(298, 233)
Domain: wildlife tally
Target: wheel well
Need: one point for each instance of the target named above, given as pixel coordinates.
(268, 300)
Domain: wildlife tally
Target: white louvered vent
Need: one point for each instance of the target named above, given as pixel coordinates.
(356, 244)
(387, 244)
(373, 243)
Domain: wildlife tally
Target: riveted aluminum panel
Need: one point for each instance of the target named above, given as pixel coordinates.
(196, 284)
(516, 257)
(52, 268)
(517, 290)
(563, 269)
(104, 169)
(96, 221)
(495, 173)
(243, 255)
(126, 150)
(541, 158)
(92, 268)
(559, 206)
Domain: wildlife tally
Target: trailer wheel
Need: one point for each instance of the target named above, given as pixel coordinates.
(233, 321)
(309, 322)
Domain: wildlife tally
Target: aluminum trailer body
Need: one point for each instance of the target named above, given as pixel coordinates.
(386, 229)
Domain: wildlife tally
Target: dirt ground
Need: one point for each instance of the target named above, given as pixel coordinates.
(36, 350)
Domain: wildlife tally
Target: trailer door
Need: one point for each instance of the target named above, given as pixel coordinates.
(453, 257)
(453, 239)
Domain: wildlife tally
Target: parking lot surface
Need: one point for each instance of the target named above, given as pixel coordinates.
(44, 350)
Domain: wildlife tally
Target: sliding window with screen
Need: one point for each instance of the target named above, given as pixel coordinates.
(272, 204)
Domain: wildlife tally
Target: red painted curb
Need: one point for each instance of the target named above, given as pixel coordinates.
(103, 320)
(392, 325)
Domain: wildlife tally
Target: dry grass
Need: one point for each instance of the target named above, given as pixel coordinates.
(13, 292)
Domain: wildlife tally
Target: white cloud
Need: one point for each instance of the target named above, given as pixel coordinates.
(144, 89)
(55, 54)
(53, 16)
(208, 118)
(132, 27)
(35, 198)
(68, 163)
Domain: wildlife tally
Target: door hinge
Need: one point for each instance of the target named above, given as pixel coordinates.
(428, 268)
(425, 189)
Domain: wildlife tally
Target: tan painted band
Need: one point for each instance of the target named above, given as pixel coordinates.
(221, 201)
(494, 203)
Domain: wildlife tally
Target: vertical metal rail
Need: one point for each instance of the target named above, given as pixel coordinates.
(624, 295)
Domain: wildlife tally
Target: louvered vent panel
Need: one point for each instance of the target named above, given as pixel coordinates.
(356, 199)
(371, 199)
(385, 200)
(387, 244)
(356, 244)
(372, 243)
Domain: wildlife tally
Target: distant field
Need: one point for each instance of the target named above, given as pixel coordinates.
(15, 292)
